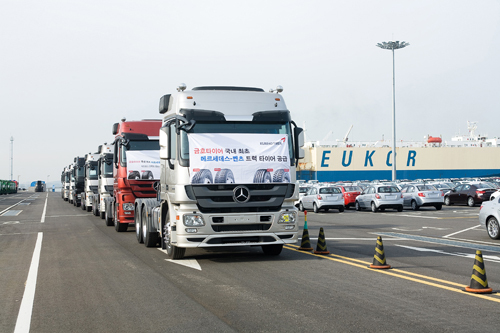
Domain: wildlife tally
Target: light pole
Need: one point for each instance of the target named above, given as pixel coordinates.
(393, 46)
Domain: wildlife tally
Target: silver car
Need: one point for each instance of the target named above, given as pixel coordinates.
(380, 197)
(322, 197)
(489, 215)
(416, 196)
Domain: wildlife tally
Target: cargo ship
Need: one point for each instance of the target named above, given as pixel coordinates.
(341, 160)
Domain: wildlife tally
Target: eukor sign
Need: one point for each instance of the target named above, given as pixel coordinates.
(238, 158)
(368, 157)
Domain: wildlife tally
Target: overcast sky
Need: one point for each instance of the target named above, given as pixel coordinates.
(69, 69)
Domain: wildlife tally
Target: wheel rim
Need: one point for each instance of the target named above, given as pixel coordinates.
(166, 237)
(373, 207)
(413, 205)
(493, 228)
(471, 202)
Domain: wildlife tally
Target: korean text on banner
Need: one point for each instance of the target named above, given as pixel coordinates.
(143, 164)
(239, 158)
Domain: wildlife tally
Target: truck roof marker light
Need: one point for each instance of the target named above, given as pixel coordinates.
(277, 99)
(177, 217)
(189, 97)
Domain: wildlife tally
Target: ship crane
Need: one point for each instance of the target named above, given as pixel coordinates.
(346, 137)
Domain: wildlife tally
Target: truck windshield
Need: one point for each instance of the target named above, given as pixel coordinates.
(138, 145)
(106, 170)
(92, 170)
(237, 127)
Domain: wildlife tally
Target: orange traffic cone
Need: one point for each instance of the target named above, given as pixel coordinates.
(478, 281)
(305, 245)
(379, 257)
(321, 246)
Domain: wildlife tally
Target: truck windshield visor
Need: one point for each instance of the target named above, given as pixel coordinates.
(237, 127)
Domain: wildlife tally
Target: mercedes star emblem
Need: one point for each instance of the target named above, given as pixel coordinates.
(241, 194)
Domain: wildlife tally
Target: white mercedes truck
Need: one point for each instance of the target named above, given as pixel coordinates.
(105, 179)
(90, 181)
(228, 157)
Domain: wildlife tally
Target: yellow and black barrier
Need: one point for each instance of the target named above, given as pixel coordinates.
(305, 245)
(379, 257)
(478, 281)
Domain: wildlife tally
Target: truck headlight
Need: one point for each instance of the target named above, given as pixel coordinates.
(288, 217)
(128, 206)
(193, 221)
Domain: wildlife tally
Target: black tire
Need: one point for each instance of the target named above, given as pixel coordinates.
(89, 208)
(400, 208)
(414, 205)
(301, 206)
(447, 201)
(119, 227)
(95, 210)
(357, 207)
(204, 176)
(82, 205)
(315, 208)
(108, 219)
(374, 207)
(281, 176)
(224, 176)
(341, 209)
(262, 176)
(438, 207)
(138, 226)
(150, 236)
(471, 202)
(272, 250)
(493, 228)
(173, 252)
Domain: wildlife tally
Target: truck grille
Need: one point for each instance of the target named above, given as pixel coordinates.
(217, 198)
(241, 227)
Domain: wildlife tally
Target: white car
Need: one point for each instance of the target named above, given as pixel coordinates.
(322, 197)
(416, 196)
(380, 197)
(489, 215)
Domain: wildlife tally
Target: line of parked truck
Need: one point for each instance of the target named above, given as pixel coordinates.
(8, 186)
(217, 171)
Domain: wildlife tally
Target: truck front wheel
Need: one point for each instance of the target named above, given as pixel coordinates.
(173, 251)
(150, 237)
(119, 227)
(138, 226)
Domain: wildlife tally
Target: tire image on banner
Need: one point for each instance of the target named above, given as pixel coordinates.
(281, 176)
(262, 176)
(204, 176)
(132, 174)
(147, 175)
(224, 176)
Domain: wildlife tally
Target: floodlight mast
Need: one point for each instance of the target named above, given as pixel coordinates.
(393, 46)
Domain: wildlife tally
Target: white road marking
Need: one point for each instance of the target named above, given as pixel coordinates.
(11, 222)
(24, 317)
(44, 209)
(457, 254)
(14, 205)
(11, 213)
(191, 263)
(462, 231)
(420, 216)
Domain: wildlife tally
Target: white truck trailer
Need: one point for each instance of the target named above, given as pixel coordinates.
(228, 160)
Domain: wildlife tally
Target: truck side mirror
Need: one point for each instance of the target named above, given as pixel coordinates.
(165, 103)
(298, 134)
(164, 144)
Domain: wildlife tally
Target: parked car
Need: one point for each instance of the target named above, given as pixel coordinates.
(302, 192)
(469, 194)
(380, 197)
(494, 195)
(322, 198)
(350, 192)
(489, 216)
(416, 196)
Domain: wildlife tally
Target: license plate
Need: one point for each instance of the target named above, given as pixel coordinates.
(391, 197)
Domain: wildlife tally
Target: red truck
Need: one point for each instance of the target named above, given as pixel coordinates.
(136, 152)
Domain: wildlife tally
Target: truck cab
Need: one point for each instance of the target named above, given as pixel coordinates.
(78, 176)
(104, 187)
(90, 181)
(228, 159)
(136, 148)
(67, 182)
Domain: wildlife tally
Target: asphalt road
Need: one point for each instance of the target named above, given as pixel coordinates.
(92, 279)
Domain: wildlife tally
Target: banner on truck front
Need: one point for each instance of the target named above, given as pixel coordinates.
(239, 158)
(143, 164)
